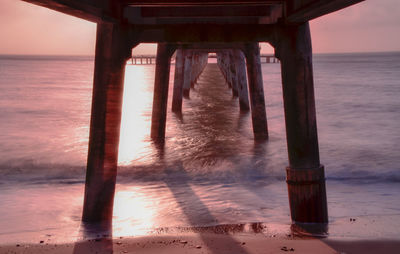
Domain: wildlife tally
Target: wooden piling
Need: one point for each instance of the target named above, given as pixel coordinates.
(241, 79)
(305, 175)
(187, 72)
(193, 70)
(232, 70)
(257, 100)
(112, 52)
(223, 62)
(226, 62)
(220, 64)
(160, 98)
(205, 62)
(178, 81)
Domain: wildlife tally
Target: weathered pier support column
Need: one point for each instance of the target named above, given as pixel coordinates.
(199, 62)
(305, 174)
(187, 72)
(160, 98)
(240, 63)
(232, 70)
(204, 62)
(223, 62)
(194, 69)
(257, 100)
(112, 52)
(221, 65)
(178, 81)
(188, 67)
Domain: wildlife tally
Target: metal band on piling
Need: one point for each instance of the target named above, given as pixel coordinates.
(305, 176)
(307, 195)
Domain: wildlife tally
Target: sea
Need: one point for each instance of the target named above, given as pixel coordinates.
(210, 172)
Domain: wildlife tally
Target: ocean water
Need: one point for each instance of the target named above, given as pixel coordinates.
(210, 171)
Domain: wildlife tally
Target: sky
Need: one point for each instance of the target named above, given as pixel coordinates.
(370, 26)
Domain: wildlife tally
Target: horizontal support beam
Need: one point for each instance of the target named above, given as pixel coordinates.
(210, 47)
(182, 34)
(170, 12)
(90, 10)
(200, 20)
(258, 14)
(204, 11)
(304, 10)
(197, 2)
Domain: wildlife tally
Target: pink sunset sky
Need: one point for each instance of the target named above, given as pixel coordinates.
(370, 26)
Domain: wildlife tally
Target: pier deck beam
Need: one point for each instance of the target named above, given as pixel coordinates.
(257, 100)
(305, 175)
(160, 98)
(178, 81)
(112, 52)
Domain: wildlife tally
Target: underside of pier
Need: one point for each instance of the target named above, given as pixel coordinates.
(232, 29)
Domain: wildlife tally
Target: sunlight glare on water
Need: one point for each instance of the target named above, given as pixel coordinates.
(135, 125)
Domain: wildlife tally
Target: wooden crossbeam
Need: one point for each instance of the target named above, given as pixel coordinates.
(90, 10)
(198, 2)
(300, 11)
(205, 11)
(197, 33)
(233, 14)
(196, 11)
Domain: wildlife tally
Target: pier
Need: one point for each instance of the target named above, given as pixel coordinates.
(151, 59)
(232, 30)
(143, 59)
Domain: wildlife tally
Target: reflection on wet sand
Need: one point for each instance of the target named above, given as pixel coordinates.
(193, 215)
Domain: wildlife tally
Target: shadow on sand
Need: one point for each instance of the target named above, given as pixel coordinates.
(201, 212)
(96, 238)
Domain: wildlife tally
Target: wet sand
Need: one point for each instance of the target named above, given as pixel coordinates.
(209, 243)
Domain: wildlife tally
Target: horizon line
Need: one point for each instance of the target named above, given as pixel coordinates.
(92, 55)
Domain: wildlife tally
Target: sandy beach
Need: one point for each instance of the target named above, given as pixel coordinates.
(209, 243)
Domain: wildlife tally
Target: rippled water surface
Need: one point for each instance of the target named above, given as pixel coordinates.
(210, 171)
